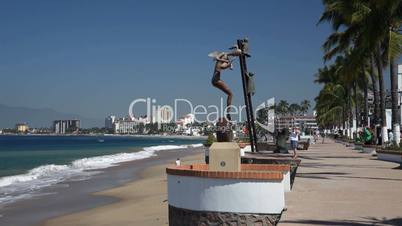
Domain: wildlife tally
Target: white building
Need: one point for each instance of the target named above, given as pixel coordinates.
(296, 121)
(109, 121)
(65, 126)
(190, 131)
(183, 122)
(22, 127)
(143, 119)
(125, 126)
(165, 115)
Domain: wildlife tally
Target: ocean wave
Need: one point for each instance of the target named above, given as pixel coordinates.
(12, 187)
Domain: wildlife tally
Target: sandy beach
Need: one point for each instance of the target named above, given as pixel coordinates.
(74, 196)
(142, 202)
(335, 186)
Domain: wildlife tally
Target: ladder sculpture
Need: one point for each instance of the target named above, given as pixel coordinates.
(248, 91)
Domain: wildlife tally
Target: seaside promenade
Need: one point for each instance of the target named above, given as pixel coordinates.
(335, 185)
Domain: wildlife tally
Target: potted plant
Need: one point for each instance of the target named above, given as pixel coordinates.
(211, 139)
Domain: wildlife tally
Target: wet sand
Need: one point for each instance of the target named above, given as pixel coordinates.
(142, 202)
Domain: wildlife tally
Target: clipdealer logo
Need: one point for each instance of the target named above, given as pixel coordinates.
(201, 113)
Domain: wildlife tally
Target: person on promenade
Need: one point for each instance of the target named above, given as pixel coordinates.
(294, 138)
(223, 62)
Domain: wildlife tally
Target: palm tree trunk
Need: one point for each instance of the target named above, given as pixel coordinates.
(394, 97)
(350, 113)
(376, 98)
(365, 122)
(343, 119)
(384, 134)
(362, 117)
(374, 83)
(357, 112)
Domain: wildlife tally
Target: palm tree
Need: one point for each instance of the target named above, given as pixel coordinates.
(294, 109)
(282, 108)
(340, 13)
(370, 27)
(334, 99)
(330, 104)
(380, 35)
(305, 106)
(393, 48)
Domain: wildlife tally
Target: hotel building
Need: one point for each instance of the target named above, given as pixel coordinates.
(163, 115)
(66, 126)
(125, 126)
(109, 122)
(22, 127)
(306, 122)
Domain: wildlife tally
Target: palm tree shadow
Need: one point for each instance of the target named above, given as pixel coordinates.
(373, 178)
(309, 157)
(365, 222)
(319, 175)
(321, 165)
(341, 157)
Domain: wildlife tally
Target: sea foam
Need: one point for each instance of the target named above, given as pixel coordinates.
(18, 186)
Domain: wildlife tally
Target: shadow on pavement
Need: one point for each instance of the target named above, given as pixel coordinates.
(319, 175)
(367, 221)
(373, 178)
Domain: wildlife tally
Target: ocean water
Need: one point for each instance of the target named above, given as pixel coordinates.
(29, 163)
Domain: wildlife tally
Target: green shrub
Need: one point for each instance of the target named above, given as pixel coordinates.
(211, 139)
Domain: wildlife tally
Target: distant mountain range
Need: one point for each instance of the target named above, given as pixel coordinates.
(40, 117)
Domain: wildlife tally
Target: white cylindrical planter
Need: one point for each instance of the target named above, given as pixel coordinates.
(197, 195)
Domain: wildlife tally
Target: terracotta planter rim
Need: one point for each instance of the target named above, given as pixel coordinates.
(249, 171)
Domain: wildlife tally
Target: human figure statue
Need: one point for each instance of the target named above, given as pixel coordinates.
(223, 62)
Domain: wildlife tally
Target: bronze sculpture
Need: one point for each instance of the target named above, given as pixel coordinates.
(223, 62)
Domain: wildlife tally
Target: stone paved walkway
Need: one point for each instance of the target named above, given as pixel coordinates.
(336, 185)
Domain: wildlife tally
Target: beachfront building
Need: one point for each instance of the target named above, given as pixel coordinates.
(40, 130)
(163, 115)
(66, 126)
(109, 122)
(125, 126)
(183, 122)
(306, 122)
(143, 120)
(22, 127)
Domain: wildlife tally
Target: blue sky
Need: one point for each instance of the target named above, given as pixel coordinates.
(94, 57)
